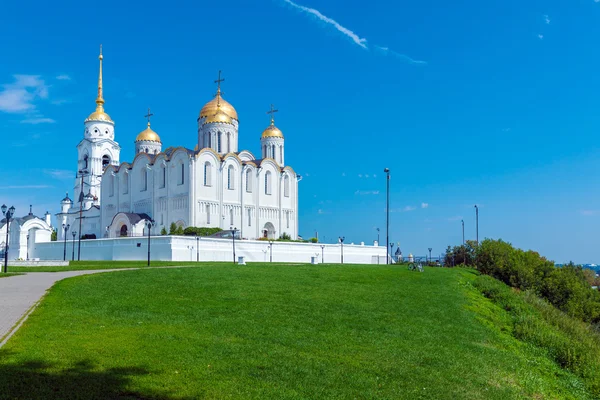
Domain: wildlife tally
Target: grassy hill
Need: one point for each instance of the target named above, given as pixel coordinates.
(276, 332)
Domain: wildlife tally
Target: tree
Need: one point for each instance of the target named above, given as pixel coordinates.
(54, 235)
(173, 229)
(163, 231)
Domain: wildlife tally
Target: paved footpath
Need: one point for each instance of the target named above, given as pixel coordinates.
(21, 293)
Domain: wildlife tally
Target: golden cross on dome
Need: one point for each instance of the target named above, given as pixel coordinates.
(148, 116)
(272, 112)
(218, 82)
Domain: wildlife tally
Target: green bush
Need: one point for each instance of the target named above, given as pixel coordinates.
(163, 231)
(53, 235)
(461, 255)
(573, 344)
(314, 240)
(285, 236)
(173, 229)
(200, 231)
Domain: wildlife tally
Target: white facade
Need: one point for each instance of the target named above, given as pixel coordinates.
(214, 185)
(23, 235)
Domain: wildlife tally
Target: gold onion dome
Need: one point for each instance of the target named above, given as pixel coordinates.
(219, 117)
(99, 114)
(212, 107)
(148, 135)
(272, 131)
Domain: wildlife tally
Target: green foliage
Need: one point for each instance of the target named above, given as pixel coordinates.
(179, 231)
(163, 231)
(285, 236)
(314, 240)
(566, 288)
(54, 235)
(200, 231)
(173, 229)
(574, 345)
(463, 255)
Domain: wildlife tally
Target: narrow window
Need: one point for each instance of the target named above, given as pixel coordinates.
(268, 182)
(249, 181)
(144, 179)
(163, 179)
(286, 186)
(125, 183)
(249, 217)
(229, 143)
(208, 214)
(111, 183)
(219, 142)
(182, 177)
(280, 154)
(287, 215)
(209, 140)
(207, 174)
(230, 177)
(231, 216)
(105, 161)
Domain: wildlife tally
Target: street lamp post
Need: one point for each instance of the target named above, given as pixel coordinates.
(149, 224)
(65, 229)
(8, 214)
(234, 230)
(387, 209)
(477, 223)
(270, 251)
(322, 254)
(342, 247)
(377, 236)
(429, 254)
(391, 248)
(463, 230)
(74, 233)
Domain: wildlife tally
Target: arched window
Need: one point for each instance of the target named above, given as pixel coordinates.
(273, 152)
(249, 181)
(125, 183)
(268, 182)
(163, 176)
(230, 177)
(105, 161)
(286, 186)
(219, 142)
(207, 174)
(85, 161)
(209, 136)
(144, 179)
(181, 173)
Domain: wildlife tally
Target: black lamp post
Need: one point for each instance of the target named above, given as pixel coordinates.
(270, 251)
(28, 245)
(65, 229)
(322, 254)
(342, 247)
(377, 236)
(391, 247)
(149, 224)
(197, 248)
(463, 230)
(74, 233)
(8, 214)
(387, 209)
(477, 223)
(234, 230)
(429, 254)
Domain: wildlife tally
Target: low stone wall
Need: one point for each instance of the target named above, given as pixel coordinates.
(37, 263)
(189, 248)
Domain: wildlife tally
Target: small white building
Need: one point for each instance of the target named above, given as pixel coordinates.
(214, 185)
(24, 233)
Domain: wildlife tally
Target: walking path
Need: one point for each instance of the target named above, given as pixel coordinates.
(20, 294)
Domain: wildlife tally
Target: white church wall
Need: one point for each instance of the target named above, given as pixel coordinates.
(178, 189)
(182, 248)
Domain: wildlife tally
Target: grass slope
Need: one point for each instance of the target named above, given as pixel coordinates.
(275, 332)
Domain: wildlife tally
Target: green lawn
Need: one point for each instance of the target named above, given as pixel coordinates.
(89, 265)
(275, 332)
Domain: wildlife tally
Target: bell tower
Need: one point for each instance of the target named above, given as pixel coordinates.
(97, 150)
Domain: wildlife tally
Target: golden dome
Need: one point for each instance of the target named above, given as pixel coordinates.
(213, 106)
(218, 117)
(148, 135)
(99, 115)
(272, 131)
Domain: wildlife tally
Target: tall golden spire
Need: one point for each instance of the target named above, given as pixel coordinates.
(99, 114)
(100, 99)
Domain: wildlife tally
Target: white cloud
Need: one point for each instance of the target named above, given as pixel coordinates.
(59, 173)
(366, 192)
(387, 51)
(424, 205)
(25, 187)
(63, 77)
(541, 37)
(19, 96)
(362, 42)
(355, 38)
(36, 121)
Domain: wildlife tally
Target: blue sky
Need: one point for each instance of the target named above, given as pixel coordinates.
(494, 103)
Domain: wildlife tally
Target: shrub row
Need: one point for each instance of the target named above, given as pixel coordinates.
(573, 344)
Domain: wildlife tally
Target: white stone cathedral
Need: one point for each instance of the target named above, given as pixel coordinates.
(214, 185)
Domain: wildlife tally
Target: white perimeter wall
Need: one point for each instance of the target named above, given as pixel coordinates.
(182, 248)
